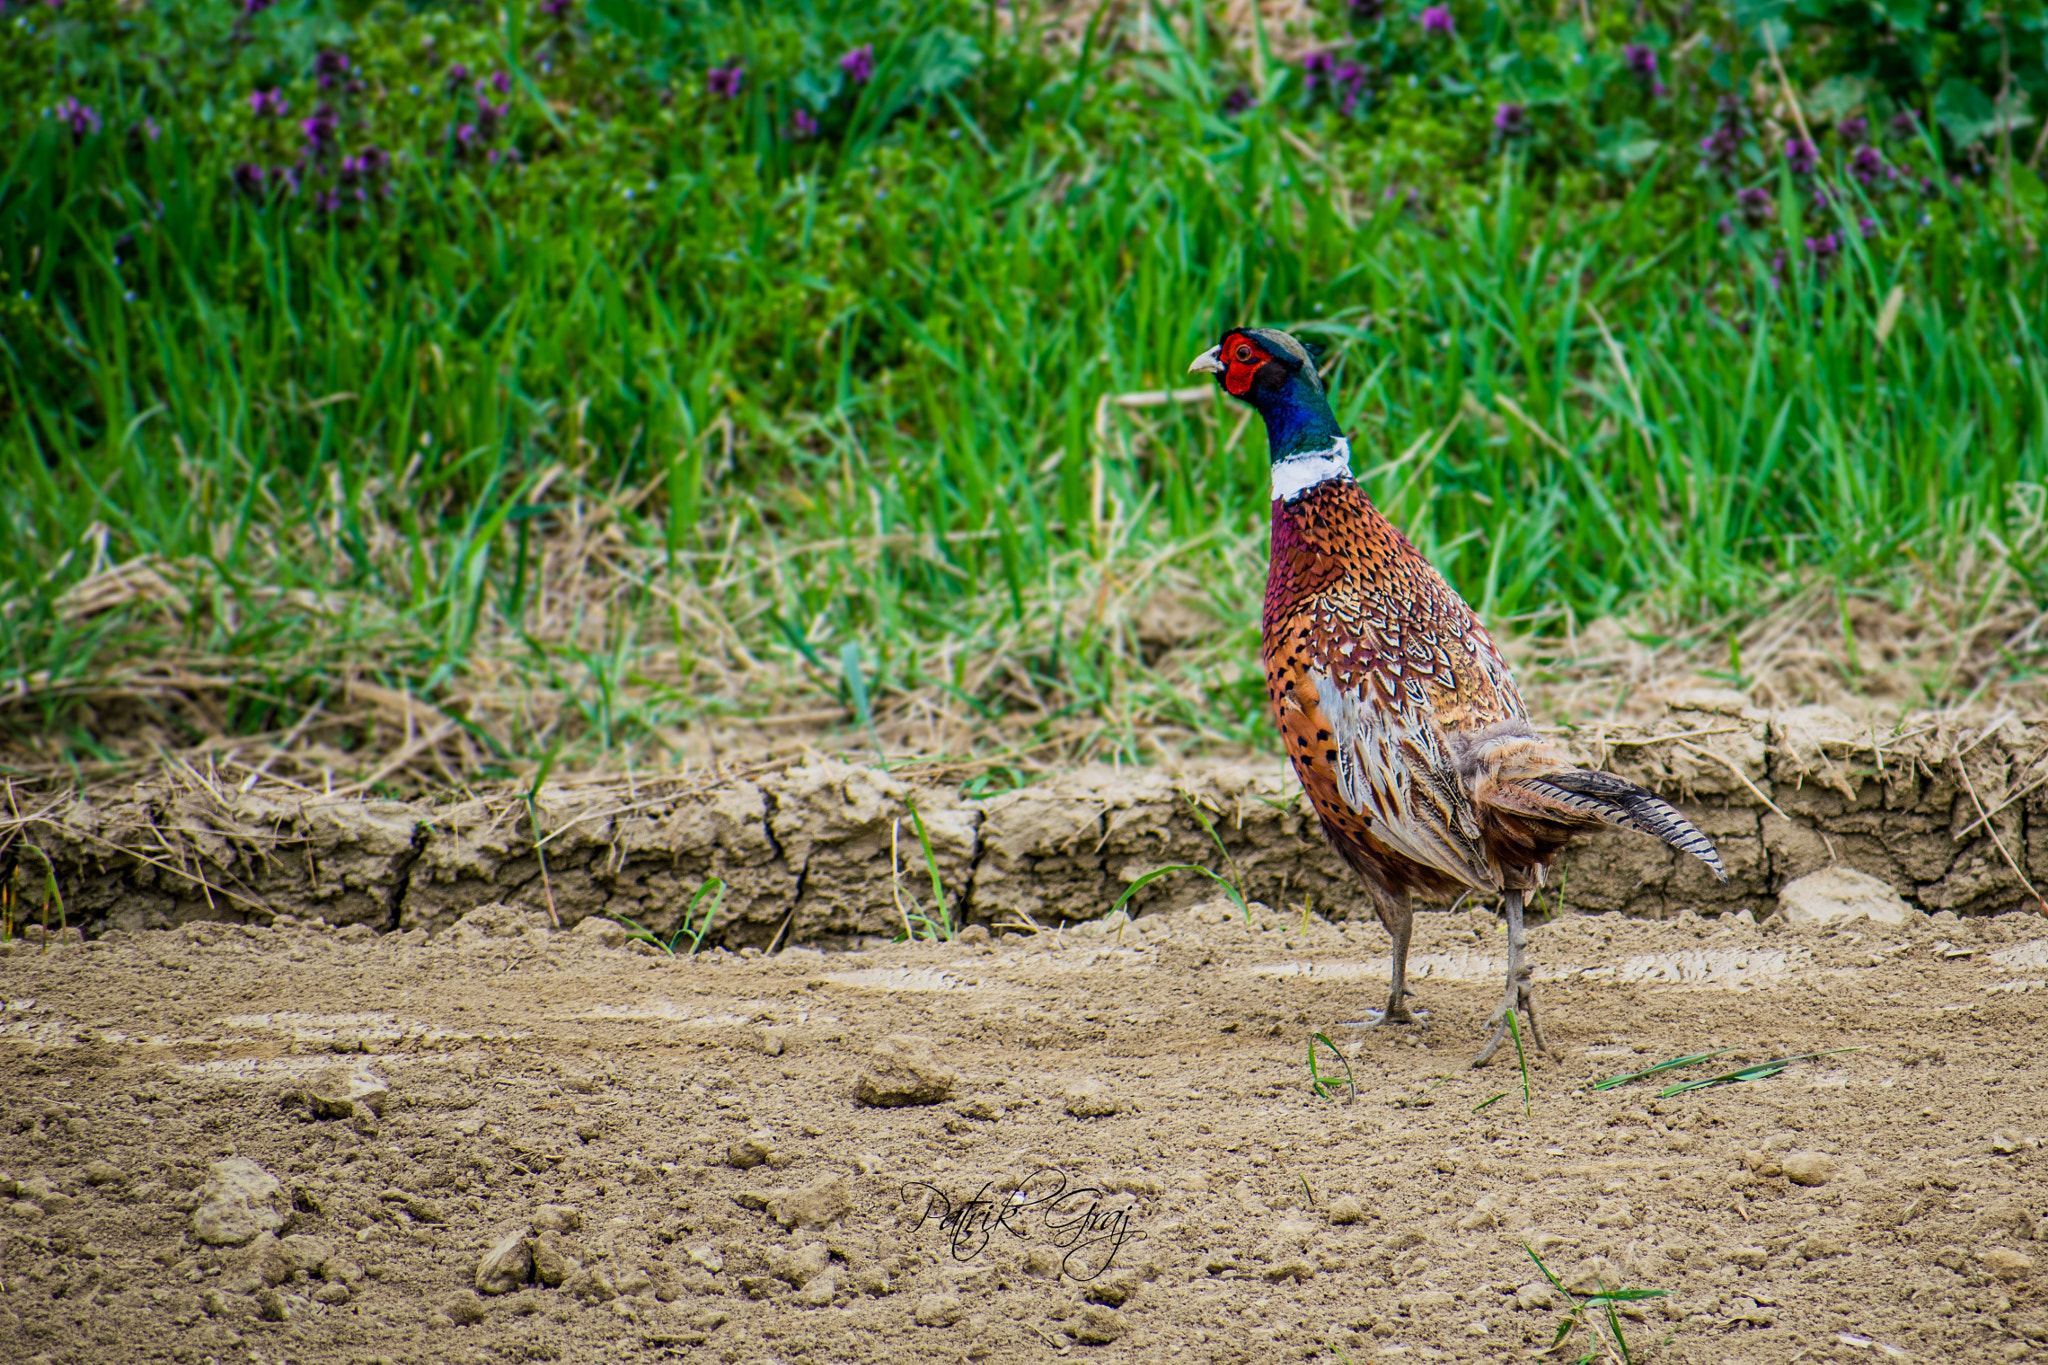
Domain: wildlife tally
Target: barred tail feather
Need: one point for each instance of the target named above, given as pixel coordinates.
(1608, 799)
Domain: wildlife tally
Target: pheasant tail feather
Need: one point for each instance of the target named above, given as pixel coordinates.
(1608, 799)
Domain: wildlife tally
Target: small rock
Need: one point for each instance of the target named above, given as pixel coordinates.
(1817, 1248)
(598, 929)
(464, 1308)
(819, 1293)
(2002, 1263)
(940, 1310)
(271, 1307)
(557, 1218)
(709, 1319)
(753, 1150)
(1742, 1308)
(668, 1286)
(24, 1210)
(814, 1206)
(1095, 1325)
(591, 1285)
(332, 1294)
(103, 1173)
(507, 1266)
(1346, 1209)
(985, 1108)
(307, 1253)
(799, 1265)
(239, 1201)
(1113, 1290)
(708, 1257)
(1089, 1098)
(873, 1281)
(2005, 1142)
(1294, 1268)
(339, 1269)
(550, 1266)
(496, 920)
(760, 1286)
(1749, 1258)
(1808, 1168)
(1041, 1263)
(1614, 1213)
(901, 1071)
(1536, 1297)
(973, 935)
(635, 1282)
(267, 1260)
(215, 1303)
(1841, 893)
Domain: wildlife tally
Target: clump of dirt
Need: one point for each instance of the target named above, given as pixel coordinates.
(321, 1144)
(819, 852)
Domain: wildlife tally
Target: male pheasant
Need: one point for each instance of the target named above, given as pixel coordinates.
(1401, 718)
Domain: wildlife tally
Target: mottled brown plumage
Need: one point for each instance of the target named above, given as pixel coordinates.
(1398, 713)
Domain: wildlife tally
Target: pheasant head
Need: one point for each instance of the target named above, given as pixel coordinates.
(1276, 374)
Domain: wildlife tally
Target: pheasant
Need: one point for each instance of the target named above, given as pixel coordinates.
(1400, 717)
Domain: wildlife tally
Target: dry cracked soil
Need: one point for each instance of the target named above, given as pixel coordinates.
(294, 1143)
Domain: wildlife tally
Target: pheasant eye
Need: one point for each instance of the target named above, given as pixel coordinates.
(1244, 353)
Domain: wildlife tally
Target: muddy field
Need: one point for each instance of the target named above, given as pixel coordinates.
(505, 1143)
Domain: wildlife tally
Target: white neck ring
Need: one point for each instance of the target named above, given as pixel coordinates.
(1297, 474)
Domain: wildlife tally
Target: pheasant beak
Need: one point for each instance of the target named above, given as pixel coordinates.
(1208, 362)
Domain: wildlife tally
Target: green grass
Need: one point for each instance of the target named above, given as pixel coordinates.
(834, 421)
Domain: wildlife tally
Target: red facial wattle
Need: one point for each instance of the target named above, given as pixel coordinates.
(1241, 362)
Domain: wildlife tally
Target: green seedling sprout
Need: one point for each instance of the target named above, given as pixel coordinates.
(1325, 1089)
(1759, 1071)
(1602, 1303)
(693, 928)
(919, 925)
(1521, 1060)
(1673, 1064)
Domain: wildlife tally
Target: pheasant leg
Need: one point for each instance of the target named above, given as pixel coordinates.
(1518, 994)
(1397, 914)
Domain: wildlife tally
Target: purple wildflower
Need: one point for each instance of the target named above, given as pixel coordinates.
(320, 130)
(1905, 123)
(458, 74)
(251, 179)
(465, 136)
(723, 82)
(555, 9)
(1510, 121)
(489, 116)
(1756, 207)
(1368, 11)
(1349, 81)
(368, 164)
(1802, 156)
(859, 66)
(1238, 100)
(1824, 249)
(329, 67)
(252, 8)
(327, 201)
(501, 81)
(1437, 20)
(269, 103)
(1317, 66)
(1869, 227)
(802, 126)
(1853, 130)
(82, 119)
(149, 129)
(1870, 168)
(1721, 150)
(1641, 60)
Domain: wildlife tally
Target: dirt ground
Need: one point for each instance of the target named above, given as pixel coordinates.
(296, 1143)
